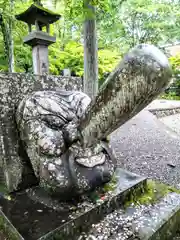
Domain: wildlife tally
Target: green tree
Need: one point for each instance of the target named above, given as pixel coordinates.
(139, 21)
(6, 23)
(120, 25)
(86, 10)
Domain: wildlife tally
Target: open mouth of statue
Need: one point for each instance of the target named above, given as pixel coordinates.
(92, 161)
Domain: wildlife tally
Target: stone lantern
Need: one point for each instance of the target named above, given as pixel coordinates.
(38, 39)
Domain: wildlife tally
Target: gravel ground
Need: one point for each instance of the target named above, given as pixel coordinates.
(172, 122)
(151, 147)
(135, 222)
(146, 146)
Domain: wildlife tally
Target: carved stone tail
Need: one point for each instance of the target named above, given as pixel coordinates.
(138, 79)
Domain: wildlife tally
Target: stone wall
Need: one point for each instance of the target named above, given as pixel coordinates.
(14, 163)
(164, 112)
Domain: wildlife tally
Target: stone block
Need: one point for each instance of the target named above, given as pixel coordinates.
(157, 221)
(38, 217)
(39, 38)
(13, 87)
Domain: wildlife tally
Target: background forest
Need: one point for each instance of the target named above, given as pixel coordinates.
(121, 24)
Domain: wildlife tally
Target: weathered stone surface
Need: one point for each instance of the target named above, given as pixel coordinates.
(163, 108)
(7, 230)
(161, 113)
(48, 123)
(158, 221)
(172, 122)
(38, 219)
(101, 215)
(64, 127)
(137, 80)
(13, 88)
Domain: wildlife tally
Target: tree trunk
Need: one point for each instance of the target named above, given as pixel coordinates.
(11, 42)
(90, 55)
(11, 54)
(5, 33)
(6, 28)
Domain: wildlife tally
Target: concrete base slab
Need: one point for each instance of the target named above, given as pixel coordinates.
(32, 215)
(172, 122)
(159, 221)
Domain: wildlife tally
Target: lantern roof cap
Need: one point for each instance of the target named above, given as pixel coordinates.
(38, 13)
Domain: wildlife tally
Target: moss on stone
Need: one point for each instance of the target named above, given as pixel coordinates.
(111, 185)
(153, 192)
(7, 230)
(3, 189)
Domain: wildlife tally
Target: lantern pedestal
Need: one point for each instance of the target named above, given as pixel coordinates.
(39, 40)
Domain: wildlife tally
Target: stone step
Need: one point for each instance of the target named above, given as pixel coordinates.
(158, 221)
(32, 215)
(172, 122)
(164, 112)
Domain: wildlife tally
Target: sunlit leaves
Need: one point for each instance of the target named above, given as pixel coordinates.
(72, 57)
(120, 25)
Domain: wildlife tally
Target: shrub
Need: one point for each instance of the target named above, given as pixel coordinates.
(72, 57)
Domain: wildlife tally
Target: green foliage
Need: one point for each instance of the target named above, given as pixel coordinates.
(23, 58)
(108, 59)
(175, 62)
(121, 24)
(139, 21)
(169, 96)
(72, 57)
(81, 9)
(173, 93)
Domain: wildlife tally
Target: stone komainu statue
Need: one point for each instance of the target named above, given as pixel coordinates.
(63, 132)
(49, 128)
